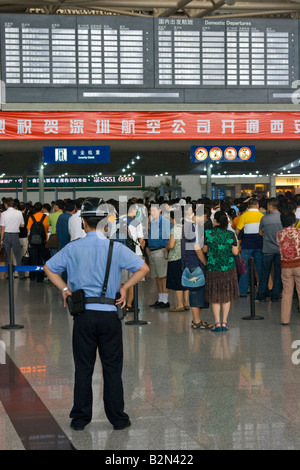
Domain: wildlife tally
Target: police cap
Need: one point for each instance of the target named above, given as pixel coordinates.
(93, 207)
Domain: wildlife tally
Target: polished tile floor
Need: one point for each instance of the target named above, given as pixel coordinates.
(184, 389)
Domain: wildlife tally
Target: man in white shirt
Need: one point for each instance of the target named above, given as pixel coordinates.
(10, 222)
(75, 222)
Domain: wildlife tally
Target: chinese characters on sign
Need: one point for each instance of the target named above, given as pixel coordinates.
(94, 154)
(103, 182)
(148, 125)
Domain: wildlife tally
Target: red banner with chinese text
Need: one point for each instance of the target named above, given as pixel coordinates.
(148, 125)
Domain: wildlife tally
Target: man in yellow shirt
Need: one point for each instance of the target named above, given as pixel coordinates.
(52, 220)
(252, 241)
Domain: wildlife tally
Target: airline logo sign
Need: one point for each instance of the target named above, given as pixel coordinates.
(237, 153)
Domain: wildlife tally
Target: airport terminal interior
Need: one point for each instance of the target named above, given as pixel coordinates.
(166, 99)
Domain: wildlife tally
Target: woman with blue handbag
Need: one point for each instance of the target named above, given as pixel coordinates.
(193, 266)
(221, 277)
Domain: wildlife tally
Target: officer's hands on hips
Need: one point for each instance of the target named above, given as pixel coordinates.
(66, 293)
(122, 299)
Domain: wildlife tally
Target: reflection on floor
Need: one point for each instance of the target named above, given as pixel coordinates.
(184, 389)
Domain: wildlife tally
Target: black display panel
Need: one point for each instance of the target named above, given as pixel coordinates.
(226, 53)
(73, 59)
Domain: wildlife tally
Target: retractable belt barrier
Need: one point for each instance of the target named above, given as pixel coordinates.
(252, 316)
(10, 269)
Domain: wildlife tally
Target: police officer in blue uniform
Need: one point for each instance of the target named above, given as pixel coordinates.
(98, 327)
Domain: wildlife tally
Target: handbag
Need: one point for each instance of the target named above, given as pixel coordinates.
(241, 265)
(193, 278)
(52, 241)
(26, 259)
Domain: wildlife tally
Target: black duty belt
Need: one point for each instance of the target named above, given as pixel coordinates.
(99, 300)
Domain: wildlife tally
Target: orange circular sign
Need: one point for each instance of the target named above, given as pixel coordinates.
(215, 153)
(230, 153)
(201, 154)
(245, 153)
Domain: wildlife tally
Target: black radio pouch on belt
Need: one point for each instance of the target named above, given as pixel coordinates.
(76, 302)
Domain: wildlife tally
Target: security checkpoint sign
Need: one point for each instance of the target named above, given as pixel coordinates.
(77, 154)
(223, 153)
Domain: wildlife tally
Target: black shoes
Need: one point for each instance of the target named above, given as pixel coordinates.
(163, 305)
(80, 427)
(77, 427)
(126, 425)
(158, 304)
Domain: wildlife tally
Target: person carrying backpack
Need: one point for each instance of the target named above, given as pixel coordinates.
(37, 227)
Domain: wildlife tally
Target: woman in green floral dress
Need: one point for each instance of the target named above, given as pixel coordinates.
(221, 285)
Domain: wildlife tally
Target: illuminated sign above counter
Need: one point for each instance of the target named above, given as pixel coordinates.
(97, 181)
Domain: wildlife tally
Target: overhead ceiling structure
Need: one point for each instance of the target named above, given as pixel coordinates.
(18, 158)
(158, 8)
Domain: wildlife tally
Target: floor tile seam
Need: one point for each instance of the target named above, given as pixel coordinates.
(167, 417)
(257, 403)
(270, 409)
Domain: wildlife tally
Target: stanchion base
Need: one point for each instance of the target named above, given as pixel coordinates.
(253, 318)
(134, 322)
(12, 327)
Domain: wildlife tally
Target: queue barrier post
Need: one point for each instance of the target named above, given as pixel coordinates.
(12, 325)
(252, 316)
(136, 320)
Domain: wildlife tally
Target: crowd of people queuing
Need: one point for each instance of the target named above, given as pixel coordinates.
(173, 235)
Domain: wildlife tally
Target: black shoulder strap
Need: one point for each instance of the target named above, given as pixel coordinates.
(104, 288)
(40, 221)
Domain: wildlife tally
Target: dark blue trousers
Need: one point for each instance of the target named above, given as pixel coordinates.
(98, 331)
(269, 260)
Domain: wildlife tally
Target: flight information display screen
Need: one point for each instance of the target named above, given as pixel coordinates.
(113, 58)
(240, 53)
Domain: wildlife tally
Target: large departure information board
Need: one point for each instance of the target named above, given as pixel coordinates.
(226, 53)
(113, 58)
